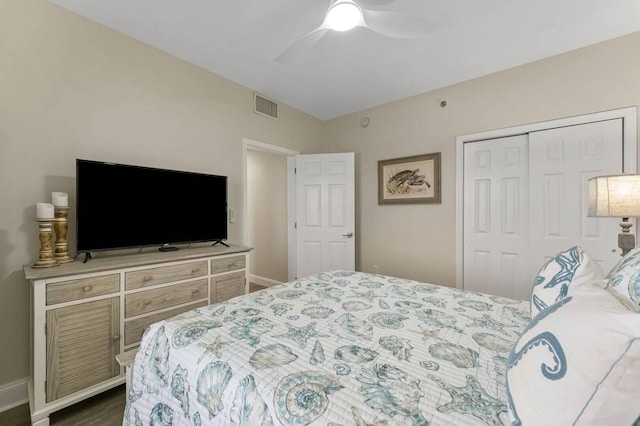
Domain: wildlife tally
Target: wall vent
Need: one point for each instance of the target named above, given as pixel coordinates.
(264, 106)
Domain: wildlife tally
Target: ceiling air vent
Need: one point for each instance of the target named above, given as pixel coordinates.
(264, 106)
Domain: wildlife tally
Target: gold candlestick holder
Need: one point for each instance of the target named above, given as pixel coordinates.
(46, 251)
(60, 225)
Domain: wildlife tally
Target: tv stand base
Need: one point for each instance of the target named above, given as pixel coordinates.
(167, 248)
(220, 242)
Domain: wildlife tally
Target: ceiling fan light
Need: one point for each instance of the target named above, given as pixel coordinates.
(343, 16)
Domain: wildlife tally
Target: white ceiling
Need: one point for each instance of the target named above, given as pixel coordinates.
(351, 71)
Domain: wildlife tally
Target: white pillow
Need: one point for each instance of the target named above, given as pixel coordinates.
(577, 362)
(624, 278)
(569, 268)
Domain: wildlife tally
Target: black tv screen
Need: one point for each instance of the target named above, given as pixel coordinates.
(124, 206)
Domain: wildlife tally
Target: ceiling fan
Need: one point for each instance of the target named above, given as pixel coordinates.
(343, 15)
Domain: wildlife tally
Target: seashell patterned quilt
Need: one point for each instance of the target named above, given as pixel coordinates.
(337, 348)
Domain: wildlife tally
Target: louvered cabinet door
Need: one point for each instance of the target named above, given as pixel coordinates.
(82, 344)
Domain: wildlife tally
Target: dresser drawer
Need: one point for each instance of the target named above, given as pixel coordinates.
(67, 291)
(165, 297)
(133, 329)
(224, 287)
(227, 264)
(164, 274)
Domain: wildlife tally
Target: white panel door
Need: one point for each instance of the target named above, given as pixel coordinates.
(561, 162)
(325, 213)
(496, 251)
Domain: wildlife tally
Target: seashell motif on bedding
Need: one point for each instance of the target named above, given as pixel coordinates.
(161, 415)
(370, 284)
(367, 295)
(399, 347)
(472, 399)
(263, 298)
(388, 320)
(355, 354)
(330, 293)
(248, 406)
(383, 304)
(317, 354)
(211, 384)
(475, 305)
(324, 277)
(492, 342)
(316, 285)
(192, 331)
(301, 398)
(460, 356)
(245, 312)
(355, 306)
(435, 301)
(291, 294)
(439, 319)
(342, 369)
(430, 365)
(517, 314)
(425, 288)
(341, 283)
(272, 356)
(391, 390)
(317, 312)
(405, 304)
(300, 335)
(251, 329)
(489, 323)
(155, 366)
(280, 309)
(180, 388)
(350, 327)
(403, 292)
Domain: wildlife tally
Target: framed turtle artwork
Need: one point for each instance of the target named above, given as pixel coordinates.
(409, 180)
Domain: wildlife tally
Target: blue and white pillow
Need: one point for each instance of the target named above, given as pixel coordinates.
(577, 362)
(624, 278)
(572, 267)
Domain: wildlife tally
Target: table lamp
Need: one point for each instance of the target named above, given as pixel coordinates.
(616, 196)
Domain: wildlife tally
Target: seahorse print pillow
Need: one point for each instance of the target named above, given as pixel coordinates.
(571, 267)
(577, 362)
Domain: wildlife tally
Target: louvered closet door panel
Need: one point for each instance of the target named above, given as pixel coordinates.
(496, 230)
(562, 160)
(82, 343)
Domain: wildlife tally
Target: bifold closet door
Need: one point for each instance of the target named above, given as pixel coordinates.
(526, 199)
(496, 218)
(561, 162)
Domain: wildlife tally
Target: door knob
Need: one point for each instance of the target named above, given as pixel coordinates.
(348, 235)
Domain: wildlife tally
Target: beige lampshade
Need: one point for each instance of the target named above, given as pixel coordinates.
(614, 196)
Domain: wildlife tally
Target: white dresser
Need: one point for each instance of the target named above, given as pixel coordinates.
(84, 314)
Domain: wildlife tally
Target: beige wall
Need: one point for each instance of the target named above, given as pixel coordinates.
(71, 88)
(418, 241)
(267, 214)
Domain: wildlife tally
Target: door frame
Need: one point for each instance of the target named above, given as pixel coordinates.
(250, 144)
(629, 136)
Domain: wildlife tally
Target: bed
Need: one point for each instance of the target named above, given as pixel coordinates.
(351, 348)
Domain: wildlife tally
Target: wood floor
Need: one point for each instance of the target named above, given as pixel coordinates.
(105, 409)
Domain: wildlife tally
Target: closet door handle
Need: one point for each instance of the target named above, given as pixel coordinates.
(348, 235)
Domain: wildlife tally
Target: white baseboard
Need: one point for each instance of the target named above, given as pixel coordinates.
(13, 394)
(266, 282)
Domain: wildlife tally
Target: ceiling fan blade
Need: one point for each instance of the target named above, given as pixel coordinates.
(396, 25)
(302, 45)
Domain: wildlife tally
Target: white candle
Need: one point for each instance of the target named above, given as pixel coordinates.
(44, 211)
(60, 199)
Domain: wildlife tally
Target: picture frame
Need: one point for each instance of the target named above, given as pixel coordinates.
(410, 180)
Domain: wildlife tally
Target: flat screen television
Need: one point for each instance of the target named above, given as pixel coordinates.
(124, 206)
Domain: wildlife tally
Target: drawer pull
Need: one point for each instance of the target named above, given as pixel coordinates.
(146, 278)
(194, 291)
(195, 270)
(146, 302)
(86, 288)
(231, 264)
(116, 337)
